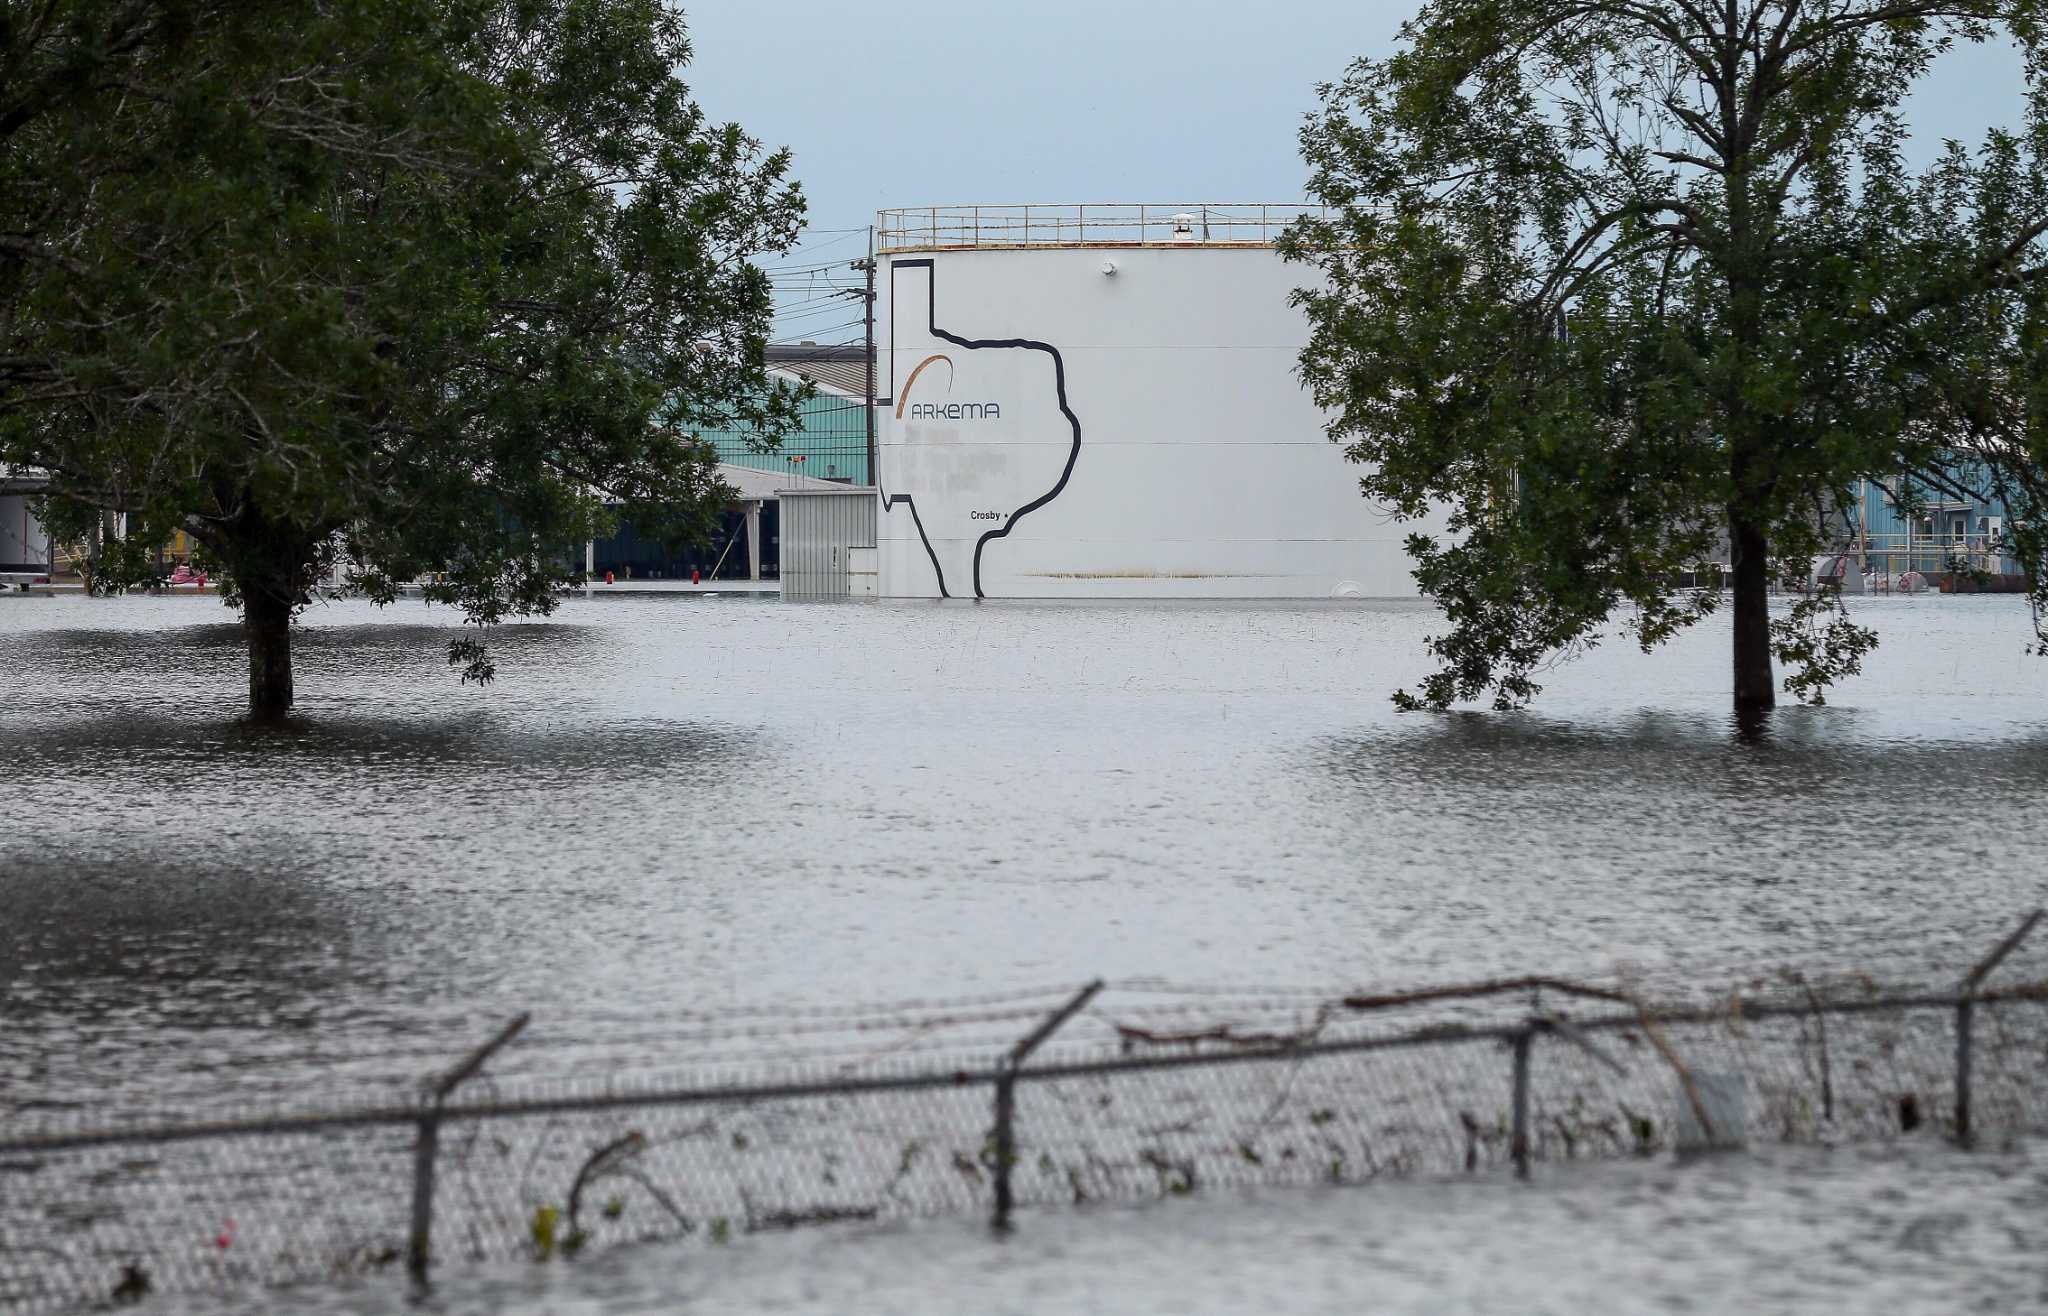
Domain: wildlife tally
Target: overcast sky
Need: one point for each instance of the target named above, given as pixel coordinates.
(961, 102)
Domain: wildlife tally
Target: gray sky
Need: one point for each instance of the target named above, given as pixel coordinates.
(961, 102)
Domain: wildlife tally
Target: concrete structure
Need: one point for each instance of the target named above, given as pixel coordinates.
(1101, 401)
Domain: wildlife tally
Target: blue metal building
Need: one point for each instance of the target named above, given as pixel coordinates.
(1907, 526)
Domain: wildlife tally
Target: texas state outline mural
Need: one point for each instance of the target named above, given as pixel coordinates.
(984, 432)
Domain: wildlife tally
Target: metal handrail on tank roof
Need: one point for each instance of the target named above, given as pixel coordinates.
(1090, 224)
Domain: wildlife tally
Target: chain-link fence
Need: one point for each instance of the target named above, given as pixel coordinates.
(1141, 1090)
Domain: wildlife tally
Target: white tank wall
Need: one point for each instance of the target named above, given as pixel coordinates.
(1203, 469)
(22, 539)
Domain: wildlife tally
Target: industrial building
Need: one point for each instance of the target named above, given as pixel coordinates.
(1904, 525)
(24, 544)
(1102, 401)
(831, 440)
(823, 461)
(798, 530)
(746, 547)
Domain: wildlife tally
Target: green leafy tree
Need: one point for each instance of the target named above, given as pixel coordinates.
(1623, 285)
(404, 289)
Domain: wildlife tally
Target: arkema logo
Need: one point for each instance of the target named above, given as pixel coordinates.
(942, 410)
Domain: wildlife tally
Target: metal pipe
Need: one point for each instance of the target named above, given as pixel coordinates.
(1965, 1009)
(419, 1241)
(1003, 1138)
(1965, 1017)
(1053, 1022)
(2001, 950)
(1004, 1143)
(1518, 1145)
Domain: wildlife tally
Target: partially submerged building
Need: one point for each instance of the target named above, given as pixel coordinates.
(25, 549)
(1907, 525)
(746, 547)
(824, 461)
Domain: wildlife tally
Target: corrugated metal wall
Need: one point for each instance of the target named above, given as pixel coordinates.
(829, 443)
(818, 527)
(24, 546)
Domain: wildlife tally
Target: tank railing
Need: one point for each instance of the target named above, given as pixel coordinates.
(1090, 224)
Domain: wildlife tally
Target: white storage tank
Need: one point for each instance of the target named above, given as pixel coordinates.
(1103, 401)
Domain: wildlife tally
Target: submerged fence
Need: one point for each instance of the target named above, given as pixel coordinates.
(1104, 1094)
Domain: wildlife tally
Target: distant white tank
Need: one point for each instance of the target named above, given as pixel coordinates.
(1102, 401)
(1839, 570)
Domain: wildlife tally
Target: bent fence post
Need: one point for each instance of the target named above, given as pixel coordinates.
(1966, 1003)
(1003, 1138)
(1569, 1031)
(427, 1145)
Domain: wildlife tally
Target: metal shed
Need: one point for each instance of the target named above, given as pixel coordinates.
(822, 526)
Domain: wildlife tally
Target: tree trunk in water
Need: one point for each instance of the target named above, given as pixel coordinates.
(1755, 691)
(267, 621)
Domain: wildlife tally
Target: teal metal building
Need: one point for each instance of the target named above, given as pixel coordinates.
(832, 444)
(826, 454)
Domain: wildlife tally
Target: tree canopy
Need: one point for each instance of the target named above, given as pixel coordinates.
(412, 287)
(1621, 284)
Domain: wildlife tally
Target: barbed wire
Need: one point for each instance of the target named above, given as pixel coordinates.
(797, 1034)
(711, 1121)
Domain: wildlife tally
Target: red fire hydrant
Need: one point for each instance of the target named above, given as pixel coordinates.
(695, 577)
(607, 577)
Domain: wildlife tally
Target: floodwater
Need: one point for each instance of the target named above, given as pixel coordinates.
(678, 803)
(672, 803)
(1914, 1227)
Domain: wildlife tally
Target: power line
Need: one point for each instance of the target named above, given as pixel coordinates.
(811, 326)
(805, 248)
(814, 279)
(814, 316)
(800, 269)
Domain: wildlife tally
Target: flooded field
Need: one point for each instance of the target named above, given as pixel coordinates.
(1909, 1229)
(702, 803)
(721, 804)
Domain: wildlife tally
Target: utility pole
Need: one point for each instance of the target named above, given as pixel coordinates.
(868, 355)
